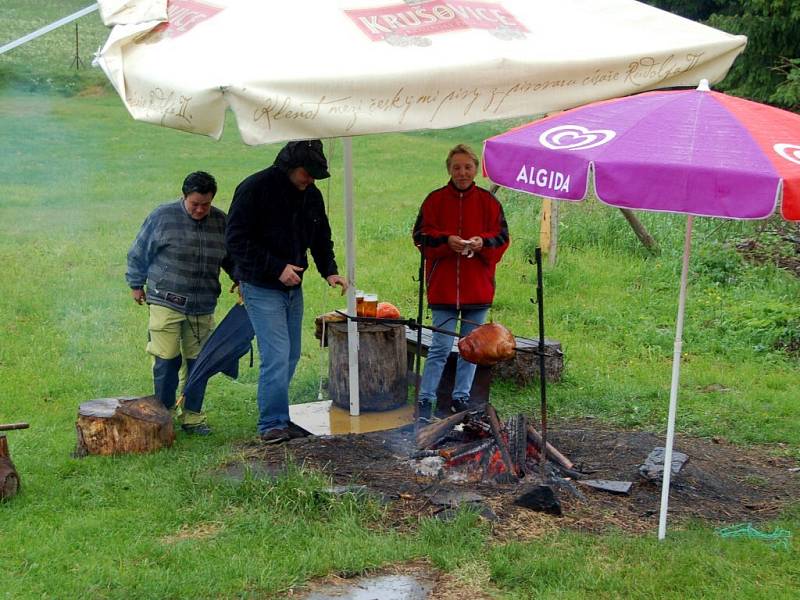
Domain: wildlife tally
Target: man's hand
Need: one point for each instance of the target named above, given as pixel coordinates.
(290, 276)
(138, 296)
(334, 280)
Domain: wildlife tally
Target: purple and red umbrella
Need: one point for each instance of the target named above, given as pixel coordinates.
(696, 152)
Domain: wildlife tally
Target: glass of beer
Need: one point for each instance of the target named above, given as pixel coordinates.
(371, 305)
(359, 303)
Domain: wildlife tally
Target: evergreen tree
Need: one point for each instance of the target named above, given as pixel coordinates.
(769, 68)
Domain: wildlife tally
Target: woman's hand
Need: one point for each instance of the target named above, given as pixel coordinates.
(456, 244)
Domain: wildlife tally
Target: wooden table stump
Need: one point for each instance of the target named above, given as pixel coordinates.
(123, 426)
(9, 479)
(381, 366)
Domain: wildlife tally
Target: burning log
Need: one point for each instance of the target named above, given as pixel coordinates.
(9, 479)
(518, 446)
(536, 438)
(501, 444)
(123, 425)
(470, 452)
(431, 434)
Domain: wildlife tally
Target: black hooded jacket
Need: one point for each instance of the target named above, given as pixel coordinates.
(271, 224)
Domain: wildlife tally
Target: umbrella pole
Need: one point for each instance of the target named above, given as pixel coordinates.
(352, 326)
(676, 372)
(418, 351)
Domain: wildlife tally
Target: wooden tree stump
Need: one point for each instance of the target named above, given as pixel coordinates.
(9, 479)
(381, 366)
(123, 426)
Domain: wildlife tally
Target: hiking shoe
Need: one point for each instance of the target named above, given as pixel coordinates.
(275, 436)
(296, 432)
(425, 413)
(197, 429)
(458, 405)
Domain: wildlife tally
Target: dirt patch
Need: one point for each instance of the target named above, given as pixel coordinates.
(776, 242)
(197, 531)
(93, 91)
(721, 483)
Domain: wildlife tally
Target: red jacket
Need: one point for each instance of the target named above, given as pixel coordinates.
(453, 280)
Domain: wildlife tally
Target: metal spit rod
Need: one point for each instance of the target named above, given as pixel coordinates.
(542, 380)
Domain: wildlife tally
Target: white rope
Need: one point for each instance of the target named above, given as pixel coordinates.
(48, 28)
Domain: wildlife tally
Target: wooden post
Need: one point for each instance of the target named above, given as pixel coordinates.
(552, 256)
(641, 232)
(548, 230)
(13, 426)
(544, 225)
(9, 479)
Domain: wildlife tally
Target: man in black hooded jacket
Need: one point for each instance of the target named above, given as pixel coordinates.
(277, 215)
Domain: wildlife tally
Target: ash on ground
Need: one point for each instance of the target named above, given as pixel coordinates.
(720, 483)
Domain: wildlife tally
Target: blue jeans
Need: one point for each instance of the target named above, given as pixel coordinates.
(442, 345)
(277, 318)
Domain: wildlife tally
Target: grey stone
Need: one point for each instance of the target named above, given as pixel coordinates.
(615, 487)
(653, 467)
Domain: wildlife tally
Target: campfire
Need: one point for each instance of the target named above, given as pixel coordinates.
(476, 446)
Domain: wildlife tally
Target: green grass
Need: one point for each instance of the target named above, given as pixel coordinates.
(79, 176)
(571, 565)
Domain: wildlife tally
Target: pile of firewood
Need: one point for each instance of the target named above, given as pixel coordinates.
(486, 448)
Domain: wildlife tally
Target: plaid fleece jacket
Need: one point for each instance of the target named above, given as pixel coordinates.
(179, 259)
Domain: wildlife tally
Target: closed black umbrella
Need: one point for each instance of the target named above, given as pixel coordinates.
(231, 340)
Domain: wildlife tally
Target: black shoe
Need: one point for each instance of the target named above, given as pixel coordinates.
(198, 429)
(425, 411)
(296, 432)
(458, 405)
(275, 436)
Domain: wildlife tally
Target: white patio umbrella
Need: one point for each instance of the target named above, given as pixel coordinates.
(337, 68)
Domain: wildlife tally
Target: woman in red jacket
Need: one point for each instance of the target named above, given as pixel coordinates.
(462, 232)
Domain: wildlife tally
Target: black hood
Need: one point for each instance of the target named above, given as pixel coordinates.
(307, 154)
